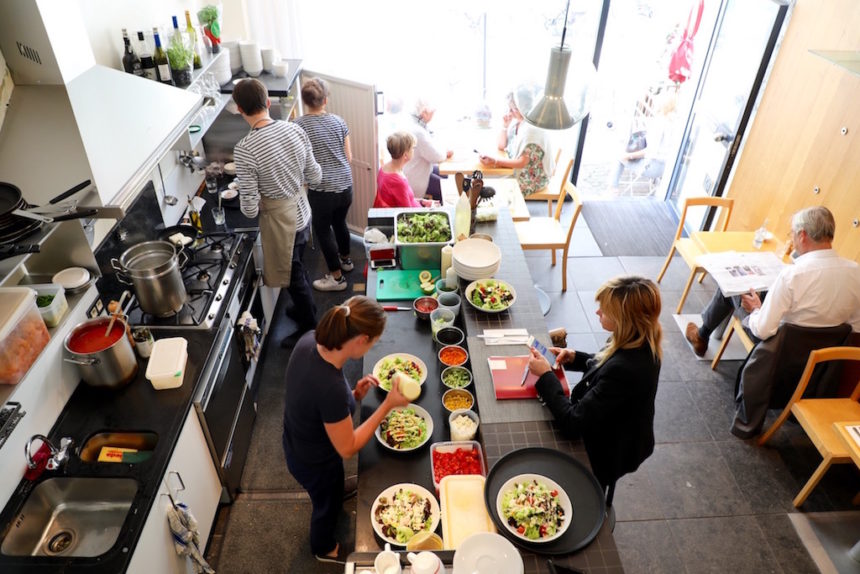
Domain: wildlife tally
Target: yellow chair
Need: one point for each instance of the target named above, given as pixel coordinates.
(548, 232)
(687, 247)
(735, 326)
(548, 193)
(817, 416)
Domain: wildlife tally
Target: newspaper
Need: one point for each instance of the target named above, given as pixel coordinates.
(738, 272)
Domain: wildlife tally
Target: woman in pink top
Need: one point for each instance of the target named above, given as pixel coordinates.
(392, 188)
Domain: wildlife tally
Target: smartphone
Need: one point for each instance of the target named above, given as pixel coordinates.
(381, 263)
(541, 348)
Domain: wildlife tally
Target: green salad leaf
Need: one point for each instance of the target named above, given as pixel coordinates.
(423, 228)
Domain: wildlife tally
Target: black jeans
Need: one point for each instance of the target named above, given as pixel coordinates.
(304, 309)
(329, 213)
(324, 485)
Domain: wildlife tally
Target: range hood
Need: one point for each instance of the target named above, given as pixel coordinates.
(70, 119)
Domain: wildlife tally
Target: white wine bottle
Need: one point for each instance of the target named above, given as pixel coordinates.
(162, 65)
(192, 36)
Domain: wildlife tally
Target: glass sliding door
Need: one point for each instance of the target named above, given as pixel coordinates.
(744, 39)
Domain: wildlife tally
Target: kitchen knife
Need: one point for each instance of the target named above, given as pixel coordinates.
(395, 308)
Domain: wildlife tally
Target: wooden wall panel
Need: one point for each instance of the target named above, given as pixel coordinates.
(794, 143)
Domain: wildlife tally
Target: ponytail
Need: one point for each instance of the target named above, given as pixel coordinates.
(357, 315)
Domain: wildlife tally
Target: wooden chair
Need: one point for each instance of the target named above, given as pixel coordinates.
(548, 232)
(548, 193)
(687, 247)
(817, 416)
(735, 326)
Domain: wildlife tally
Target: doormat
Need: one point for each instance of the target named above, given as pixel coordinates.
(734, 352)
(631, 227)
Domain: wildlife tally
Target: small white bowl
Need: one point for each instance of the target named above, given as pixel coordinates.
(230, 168)
(229, 194)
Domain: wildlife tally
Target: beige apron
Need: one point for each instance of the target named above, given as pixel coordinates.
(278, 234)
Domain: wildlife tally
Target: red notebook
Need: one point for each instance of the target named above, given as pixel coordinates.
(507, 374)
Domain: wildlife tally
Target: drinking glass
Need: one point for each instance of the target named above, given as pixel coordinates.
(211, 183)
(218, 215)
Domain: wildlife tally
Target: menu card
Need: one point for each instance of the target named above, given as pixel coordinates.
(507, 374)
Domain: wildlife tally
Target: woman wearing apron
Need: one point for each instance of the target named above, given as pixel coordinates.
(273, 162)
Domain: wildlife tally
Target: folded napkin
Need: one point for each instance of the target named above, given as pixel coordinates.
(186, 539)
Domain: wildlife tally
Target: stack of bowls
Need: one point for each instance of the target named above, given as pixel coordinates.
(269, 57)
(235, 56)
(221, 68)
(252, 59)
(475, 259)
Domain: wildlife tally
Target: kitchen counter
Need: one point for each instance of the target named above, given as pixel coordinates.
(278, 87)
(505, 425)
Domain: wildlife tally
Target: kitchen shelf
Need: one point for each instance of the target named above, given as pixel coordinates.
(208, 112)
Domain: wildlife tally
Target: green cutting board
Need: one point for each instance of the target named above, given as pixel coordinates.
(400, 284)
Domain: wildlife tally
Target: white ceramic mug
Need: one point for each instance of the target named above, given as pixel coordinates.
(387, 562)
(424, 563)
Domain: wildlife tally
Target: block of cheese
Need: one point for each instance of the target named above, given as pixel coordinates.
(461, 502)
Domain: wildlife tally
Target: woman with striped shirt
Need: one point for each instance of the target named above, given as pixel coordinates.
(330, 198)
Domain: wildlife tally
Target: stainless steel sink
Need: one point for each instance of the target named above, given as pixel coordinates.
(68, 516)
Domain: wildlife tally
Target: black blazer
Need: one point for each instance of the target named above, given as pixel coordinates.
(612, 409)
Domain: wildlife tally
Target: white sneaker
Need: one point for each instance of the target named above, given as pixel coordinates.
(346, 264)
(329, 283)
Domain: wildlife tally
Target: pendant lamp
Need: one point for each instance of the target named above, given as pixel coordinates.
(553, 111)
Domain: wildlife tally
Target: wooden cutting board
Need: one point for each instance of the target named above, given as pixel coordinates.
(507, 374)
(400, 284)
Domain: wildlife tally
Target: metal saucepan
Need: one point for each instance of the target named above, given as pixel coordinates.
(154, 269)
(103, 361)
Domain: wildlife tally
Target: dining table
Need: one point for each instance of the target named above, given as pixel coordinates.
(506, 426)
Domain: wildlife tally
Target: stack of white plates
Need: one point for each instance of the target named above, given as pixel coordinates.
(235, 56)
(221, 67)
(252, 59)
(476, 259)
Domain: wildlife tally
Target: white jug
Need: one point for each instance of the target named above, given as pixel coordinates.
(387, 562)
(425, 563)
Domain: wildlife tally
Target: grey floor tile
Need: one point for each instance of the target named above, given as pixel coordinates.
(679, 364)
(589, 306)
(693, 480)
(676, 417)
(723, 544)
(647, 547)
(567, 312)
(761, 475)
(715, 401)
(548, 276)
(785, 544)
(589, 273)
(636, 498)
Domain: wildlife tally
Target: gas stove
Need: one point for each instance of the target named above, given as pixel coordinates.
(215, 262)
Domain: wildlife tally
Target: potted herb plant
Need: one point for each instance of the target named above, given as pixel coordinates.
(210, 17)
(181, 58)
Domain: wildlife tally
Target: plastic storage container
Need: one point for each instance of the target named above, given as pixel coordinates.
(53, 312)
(23, 333)
(462, 509)
(166, 367)
(448, 447)
(420, 255)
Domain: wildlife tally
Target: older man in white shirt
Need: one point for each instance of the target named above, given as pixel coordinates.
(821, 289)
(422, 171)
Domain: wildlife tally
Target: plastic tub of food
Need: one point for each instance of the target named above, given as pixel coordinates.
(463, 424)
(166, 367)
(420, 235)
(462, 509)
(456, 457)
(23, 333)
(51, 301)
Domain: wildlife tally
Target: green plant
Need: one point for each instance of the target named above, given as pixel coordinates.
(209, 17)
(179, 55)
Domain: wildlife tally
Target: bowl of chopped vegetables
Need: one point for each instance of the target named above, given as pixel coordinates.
(423, 306)
(534, 508)
(490, 295)
(456, 377)
(405, 428)
(387, 366)
(456, 399)
(453, 356)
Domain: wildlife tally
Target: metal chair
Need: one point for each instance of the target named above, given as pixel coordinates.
(687, 247)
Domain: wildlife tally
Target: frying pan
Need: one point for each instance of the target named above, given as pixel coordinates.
(14, 227)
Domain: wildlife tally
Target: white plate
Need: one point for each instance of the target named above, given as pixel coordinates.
(71, 277)
(487, 553)
(229, 194)
(388, 492)
(418, 411)
(471, 287)
(563, 500)
(419, 362)
(476, 254)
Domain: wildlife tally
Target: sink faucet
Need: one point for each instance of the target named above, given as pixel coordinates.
(58, 456)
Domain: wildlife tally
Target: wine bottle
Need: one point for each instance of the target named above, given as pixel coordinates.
(192, 35)
(130, 60)
(162, 65)
(147, 64)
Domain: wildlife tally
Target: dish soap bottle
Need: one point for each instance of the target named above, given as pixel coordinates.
(760, 235)
(462, 217)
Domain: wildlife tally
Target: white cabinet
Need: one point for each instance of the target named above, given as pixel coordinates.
(193, 464)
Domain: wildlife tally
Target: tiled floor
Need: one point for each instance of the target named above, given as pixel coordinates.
(705, 501)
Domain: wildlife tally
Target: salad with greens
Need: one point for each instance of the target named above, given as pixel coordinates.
(394, 364)
(423, 228)
(402, 515)
(533, 510)
(492, 295)
(404, 429)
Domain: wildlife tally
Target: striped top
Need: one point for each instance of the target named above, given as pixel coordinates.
(327, 133)
(275, 161)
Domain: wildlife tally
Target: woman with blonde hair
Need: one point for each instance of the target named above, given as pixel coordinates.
(318, 430)
(612, 407)
(392, 187)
